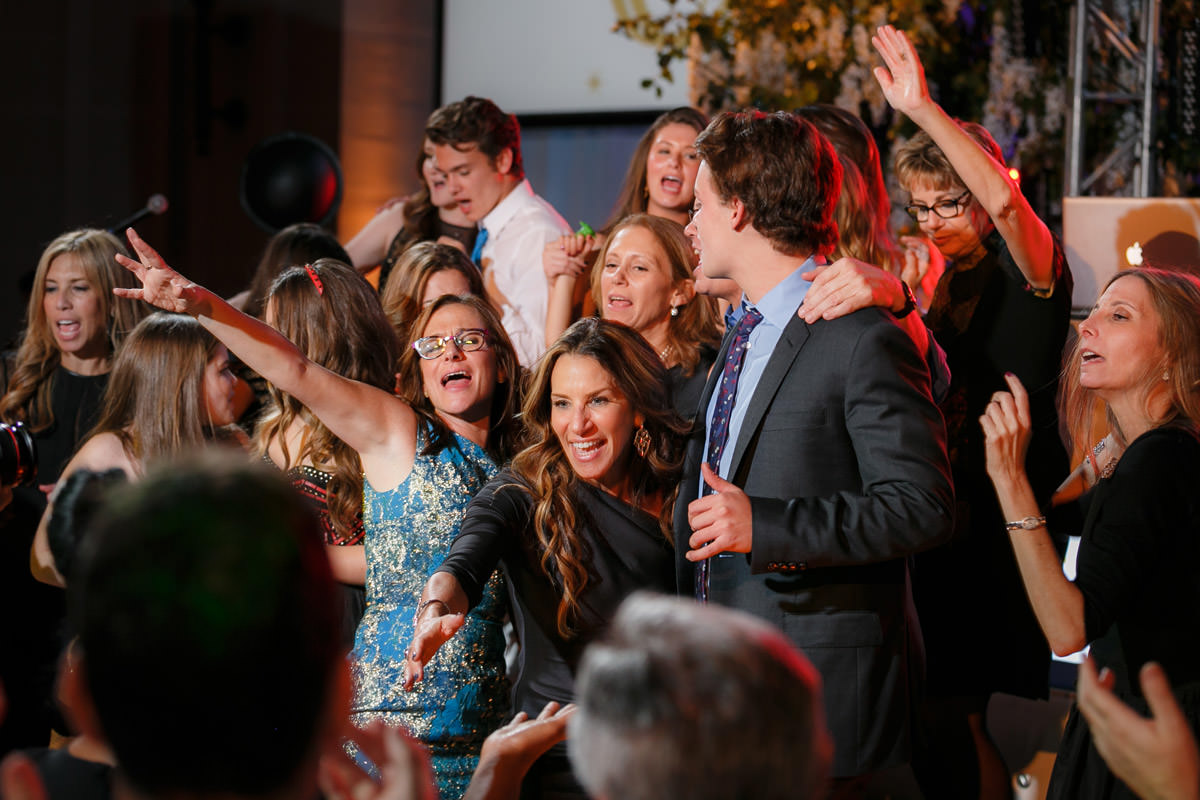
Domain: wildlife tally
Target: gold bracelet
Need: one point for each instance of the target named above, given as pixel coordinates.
(1026, 524)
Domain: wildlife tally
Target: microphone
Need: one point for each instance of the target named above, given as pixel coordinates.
(156, 204)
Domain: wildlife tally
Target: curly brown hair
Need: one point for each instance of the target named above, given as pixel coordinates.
(545, 472)
(343, 328)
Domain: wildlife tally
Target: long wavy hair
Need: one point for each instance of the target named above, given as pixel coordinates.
(1176, 299)
(696, 324)
(863, 210)
(544, 471)
(154, 402)
(343, 328)
(504, 430)
(633, 195)
(31, 384)
(401, 295)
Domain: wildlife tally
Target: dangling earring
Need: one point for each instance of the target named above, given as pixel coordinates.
(674, 311)
(1166, 375)
(641, 441)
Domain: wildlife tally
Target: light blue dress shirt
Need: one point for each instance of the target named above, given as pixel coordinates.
(777, 306)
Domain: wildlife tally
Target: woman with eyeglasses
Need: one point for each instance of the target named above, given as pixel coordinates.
(1002, 306)
(424, 455)
(580, 520)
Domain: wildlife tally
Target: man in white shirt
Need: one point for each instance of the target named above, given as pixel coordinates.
(478, 146)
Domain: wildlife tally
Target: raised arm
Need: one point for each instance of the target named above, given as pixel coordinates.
(903, 84)
(378, 425)
(1057, 603)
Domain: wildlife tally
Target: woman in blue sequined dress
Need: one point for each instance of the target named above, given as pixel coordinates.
(424, 455)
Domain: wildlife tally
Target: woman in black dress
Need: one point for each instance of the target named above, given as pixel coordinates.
(53, 384)
(580, 520)
(1135, 597)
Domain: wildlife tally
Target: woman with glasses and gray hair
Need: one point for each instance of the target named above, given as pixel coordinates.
(1002, 306)
(424, 455)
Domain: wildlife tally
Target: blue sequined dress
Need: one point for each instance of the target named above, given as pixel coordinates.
(464, 695)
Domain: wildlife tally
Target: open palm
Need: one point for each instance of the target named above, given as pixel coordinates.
(903, 79)
(161, 286)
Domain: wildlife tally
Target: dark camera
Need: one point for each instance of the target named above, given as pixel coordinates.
(18, 455)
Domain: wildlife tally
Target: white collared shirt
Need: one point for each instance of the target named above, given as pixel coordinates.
(518, 229)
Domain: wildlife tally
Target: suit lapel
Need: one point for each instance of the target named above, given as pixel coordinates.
(793, 338)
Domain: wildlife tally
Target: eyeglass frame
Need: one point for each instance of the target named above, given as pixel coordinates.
(917, 211)
(454, 337)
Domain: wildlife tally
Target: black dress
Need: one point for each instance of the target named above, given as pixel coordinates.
(969, 593)
(1137, 571)
(31, 633)
(686, 389)
(626, 551)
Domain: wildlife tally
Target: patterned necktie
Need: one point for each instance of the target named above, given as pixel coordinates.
(718, 429)
(477, 252)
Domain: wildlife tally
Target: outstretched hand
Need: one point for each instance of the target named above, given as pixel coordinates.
(1006, 432)
(429, 637)
(510, 751)
(1157, 757)
(161, 286)
(903, 79)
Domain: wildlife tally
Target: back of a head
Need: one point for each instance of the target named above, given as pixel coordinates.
(78, 498)
(203, 596)
(783, 170)
(301, 243)
(478, 122)
(683, 700)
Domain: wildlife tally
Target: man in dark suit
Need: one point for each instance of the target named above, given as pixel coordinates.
(822, 457)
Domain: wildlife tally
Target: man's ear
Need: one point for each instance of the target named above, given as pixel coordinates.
(504, 161)
(738, 217)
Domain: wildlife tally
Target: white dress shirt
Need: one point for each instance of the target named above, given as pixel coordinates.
(518, 229)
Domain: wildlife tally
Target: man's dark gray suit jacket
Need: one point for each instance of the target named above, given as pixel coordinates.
(843, 456)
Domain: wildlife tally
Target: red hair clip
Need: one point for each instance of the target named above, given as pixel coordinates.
(312, 273)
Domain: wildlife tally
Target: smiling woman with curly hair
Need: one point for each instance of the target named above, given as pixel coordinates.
(580, 520)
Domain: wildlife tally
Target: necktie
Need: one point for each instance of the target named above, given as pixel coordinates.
(718, 429)
(480, 240)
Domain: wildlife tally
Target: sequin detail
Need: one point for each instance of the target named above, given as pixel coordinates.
(464, 695)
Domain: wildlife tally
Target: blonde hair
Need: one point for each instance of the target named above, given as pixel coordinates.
(1176, 299)
(32, 382)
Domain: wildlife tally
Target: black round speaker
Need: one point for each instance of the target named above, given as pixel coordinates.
(290, 178)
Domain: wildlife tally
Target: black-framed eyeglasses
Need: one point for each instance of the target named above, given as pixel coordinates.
(946, 209)
(466, 340)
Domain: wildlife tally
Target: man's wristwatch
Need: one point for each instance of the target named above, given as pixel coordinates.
(910, 303)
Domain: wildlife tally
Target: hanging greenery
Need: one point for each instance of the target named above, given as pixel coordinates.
(773, 54)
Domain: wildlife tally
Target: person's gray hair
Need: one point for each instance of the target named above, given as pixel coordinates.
(684, 700)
